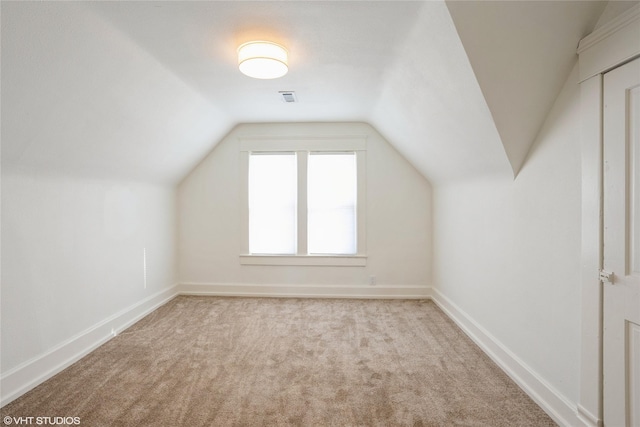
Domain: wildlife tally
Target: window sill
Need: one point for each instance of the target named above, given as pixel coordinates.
(305, 260)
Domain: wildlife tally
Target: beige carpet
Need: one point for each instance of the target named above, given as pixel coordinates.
(207, 361)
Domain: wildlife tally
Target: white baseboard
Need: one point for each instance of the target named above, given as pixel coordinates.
(306, 291)
(19, 380)
(588, 418)
(558, 407)
(28, 375)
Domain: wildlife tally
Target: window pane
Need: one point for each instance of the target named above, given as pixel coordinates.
(331, 199)
(272, 203)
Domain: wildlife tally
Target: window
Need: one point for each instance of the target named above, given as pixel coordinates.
(301, 205)
(331, 203)
(272, 203)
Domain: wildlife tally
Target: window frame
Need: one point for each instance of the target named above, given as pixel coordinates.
(302, 146)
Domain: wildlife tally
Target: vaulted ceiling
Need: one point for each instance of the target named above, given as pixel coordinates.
(143, 90)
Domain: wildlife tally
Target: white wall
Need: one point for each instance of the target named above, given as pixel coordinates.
(507, 253)
(398, 218)
(73, 257)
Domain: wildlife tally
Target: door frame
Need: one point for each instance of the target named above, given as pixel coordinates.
(613, 44)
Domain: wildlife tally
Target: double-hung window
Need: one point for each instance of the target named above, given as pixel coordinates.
(304, 202)
(273, 198)
(332, 203)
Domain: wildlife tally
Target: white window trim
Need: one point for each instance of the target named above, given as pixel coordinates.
(305, 260)
(303, 145)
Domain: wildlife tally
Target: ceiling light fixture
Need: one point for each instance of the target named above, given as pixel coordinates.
(262, 60)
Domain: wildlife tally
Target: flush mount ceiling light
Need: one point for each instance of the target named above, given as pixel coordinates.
(262, 60)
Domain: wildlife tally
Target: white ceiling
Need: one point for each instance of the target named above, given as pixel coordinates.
(143, 90)
(521, 53)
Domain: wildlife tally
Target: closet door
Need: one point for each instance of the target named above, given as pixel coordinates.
(621, 266)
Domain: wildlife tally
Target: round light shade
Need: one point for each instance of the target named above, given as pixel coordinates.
(262, 60)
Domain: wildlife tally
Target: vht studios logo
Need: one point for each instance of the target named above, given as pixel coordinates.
(42, 421)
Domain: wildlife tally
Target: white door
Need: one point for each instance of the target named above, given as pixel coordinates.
(622, 246)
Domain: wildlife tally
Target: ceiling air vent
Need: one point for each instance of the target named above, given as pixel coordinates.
(288, 96)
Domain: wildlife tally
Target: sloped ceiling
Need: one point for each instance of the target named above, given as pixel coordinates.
(143, 90)
(520, 51)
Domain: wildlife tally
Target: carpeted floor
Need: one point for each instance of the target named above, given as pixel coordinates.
(208, 361)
